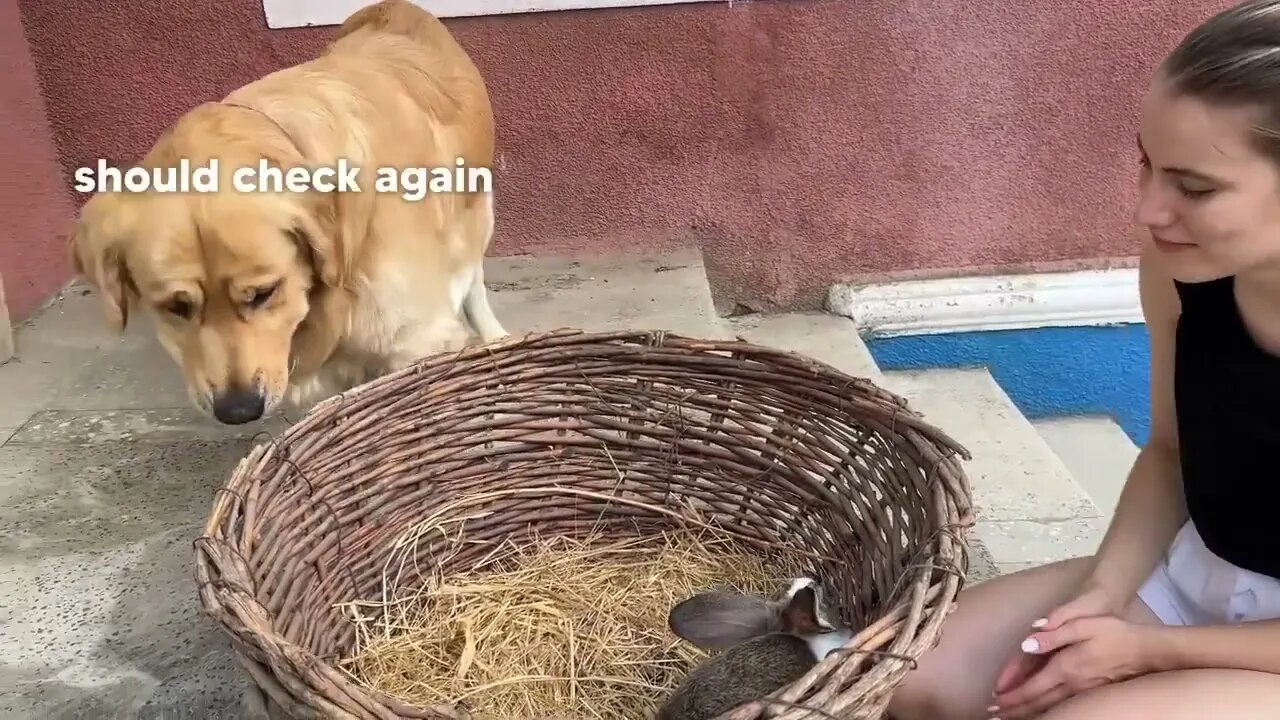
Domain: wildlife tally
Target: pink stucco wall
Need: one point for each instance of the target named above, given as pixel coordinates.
(798, 141)
(35, 207)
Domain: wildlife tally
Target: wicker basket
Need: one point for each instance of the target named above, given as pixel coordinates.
(785, 450)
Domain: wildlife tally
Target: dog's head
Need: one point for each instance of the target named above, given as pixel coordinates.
(227, 276)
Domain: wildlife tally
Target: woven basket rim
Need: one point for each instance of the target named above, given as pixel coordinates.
(655, 338)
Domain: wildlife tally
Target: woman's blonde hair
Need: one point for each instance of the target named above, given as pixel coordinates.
(1234, 58)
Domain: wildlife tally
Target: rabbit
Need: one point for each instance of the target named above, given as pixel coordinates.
(766, 644)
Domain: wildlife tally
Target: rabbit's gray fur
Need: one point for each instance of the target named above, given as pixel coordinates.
(742, 673)
(765, 646)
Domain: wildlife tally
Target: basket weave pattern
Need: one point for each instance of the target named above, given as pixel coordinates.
(564, 432)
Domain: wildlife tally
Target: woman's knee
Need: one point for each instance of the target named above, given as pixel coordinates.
(924, 696)
(954, 680)
(1179, 695)
(943, 686)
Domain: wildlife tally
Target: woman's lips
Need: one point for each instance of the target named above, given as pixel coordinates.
(1168, 246)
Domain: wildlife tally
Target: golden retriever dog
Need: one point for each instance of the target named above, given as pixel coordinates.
(299, 291)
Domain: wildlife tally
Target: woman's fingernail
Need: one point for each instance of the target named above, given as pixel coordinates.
(993, 709)
(1030, 645)
(1040, 623)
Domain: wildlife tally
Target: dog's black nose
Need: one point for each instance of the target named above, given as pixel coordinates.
(237, 407)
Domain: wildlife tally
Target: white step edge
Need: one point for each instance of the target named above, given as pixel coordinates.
(1096, 451)
(990, 302)
(827, 338)
(1029, 509)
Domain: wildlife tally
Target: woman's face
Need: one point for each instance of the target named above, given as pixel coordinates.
(1209, 201)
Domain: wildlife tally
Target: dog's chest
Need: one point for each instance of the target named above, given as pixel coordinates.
(398, 300)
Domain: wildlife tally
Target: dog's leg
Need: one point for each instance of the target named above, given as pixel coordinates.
(423, 339)
(478, 310)
(328, 381)
(302, 396)
(476, 301)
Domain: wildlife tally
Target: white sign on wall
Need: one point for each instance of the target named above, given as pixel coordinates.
(304, 13)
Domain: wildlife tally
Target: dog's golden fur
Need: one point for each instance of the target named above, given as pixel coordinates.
(307, 293)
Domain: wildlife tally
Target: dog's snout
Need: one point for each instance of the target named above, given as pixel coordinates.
(236, 407)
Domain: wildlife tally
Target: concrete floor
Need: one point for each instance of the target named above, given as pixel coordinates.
(106, 478)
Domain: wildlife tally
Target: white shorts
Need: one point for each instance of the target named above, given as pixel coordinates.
(1192, 586)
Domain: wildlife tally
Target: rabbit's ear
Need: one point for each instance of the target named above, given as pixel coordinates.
(718, 620)
(806, 610)
(800, 614)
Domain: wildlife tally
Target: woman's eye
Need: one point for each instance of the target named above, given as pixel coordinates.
(1194, 191)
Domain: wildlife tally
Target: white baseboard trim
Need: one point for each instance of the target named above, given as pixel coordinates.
(306, 13)
(994, 302)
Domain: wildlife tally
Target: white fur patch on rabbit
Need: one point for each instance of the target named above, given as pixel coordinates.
(823, 644)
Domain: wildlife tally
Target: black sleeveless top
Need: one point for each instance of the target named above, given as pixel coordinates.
(1228, 404)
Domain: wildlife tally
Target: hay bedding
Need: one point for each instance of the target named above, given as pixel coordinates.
(556, 628)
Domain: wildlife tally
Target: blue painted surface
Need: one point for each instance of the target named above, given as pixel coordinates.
(1047, 372)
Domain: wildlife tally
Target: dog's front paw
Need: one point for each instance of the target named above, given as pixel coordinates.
(307, 393)
(424, 341)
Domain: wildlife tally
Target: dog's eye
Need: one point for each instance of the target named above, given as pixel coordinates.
(262, 295)
(181, 307)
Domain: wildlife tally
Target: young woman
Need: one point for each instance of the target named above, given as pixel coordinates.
(1177, 616)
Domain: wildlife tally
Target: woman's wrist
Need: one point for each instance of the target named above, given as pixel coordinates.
(1158, 648)
(1113, 589)
(1238, 646)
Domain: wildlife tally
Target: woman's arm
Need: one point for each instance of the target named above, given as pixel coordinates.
(1151, 508)
(1247, 646)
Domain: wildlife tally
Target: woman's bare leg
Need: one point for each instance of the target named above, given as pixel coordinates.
(1182, 695)
(955, 680)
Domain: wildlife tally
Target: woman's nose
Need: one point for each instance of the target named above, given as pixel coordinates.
(1153, 208)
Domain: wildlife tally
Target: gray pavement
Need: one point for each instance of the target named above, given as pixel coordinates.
(106, 478)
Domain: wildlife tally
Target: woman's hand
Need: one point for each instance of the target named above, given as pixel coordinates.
(1081, 654)
(1092, 601)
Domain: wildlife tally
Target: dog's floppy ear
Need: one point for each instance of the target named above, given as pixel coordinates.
(332, 228)
(99, 259)
(321, 243)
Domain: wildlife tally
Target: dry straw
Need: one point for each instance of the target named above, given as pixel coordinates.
(559, 627)
(570, 434)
